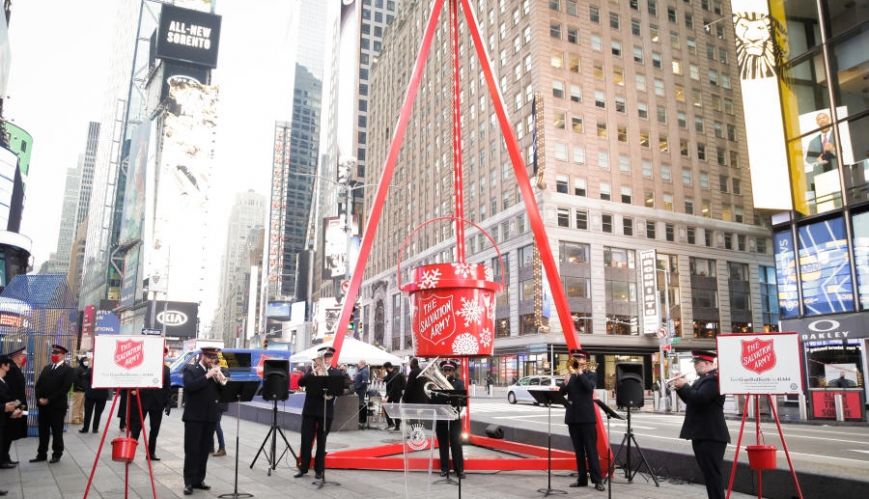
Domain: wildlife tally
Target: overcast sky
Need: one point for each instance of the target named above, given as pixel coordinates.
(60, 53)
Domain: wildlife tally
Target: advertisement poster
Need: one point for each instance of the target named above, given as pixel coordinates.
(860, 227)
(820, 161)
(649, 281)
(824, 404)
(759, 364)
(328, 313)
(187, 35)
(825, 271)
(786, 275)
(842, 375)
(128, 362)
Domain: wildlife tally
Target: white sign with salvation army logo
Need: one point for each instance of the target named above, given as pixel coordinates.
(759, 363)
(128, 361)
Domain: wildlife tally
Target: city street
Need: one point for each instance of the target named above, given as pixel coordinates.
(840, 451)
(68, 478)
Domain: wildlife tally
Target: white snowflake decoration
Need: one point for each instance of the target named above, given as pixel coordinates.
(489, 307)
(471, 311)
(465, 344)
(490, 274)
(429, 279)
(486, 337)
(463, 270)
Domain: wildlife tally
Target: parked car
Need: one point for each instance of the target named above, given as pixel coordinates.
(519, 391)
(243, 364)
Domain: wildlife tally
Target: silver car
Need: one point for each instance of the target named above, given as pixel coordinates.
(519, 391)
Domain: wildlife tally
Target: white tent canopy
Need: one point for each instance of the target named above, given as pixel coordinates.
(352, 351)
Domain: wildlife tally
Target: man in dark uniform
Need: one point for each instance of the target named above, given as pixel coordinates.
(16, 428)
(312, 415)
(154, 402)
(201, 391)
(52, 388)
(449, 433)
(581, 418)
(10, 407)
(394, 391)
(414, 393)
(704, 420)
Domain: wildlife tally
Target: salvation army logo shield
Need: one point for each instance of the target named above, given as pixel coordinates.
(758, 355)
(129, 353)
(435, 320)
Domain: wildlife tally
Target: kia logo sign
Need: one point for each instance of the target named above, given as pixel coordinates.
(172, 318)
(818, 326)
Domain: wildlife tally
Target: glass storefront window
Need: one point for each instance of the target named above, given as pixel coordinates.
(802, 30)
(618, 258)
(622, 325)
(582, 322)
(825, 270)
(805, 91)
(577, 287)
(768, 298)
(860, 228)
(854, 135)
(703, 329)
(844, 15)
(849, 60)
(573, 253)
(829, 361)
(502, 327)
(786, 275)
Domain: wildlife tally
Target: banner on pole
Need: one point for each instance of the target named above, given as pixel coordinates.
(760, 364)
(128, 361)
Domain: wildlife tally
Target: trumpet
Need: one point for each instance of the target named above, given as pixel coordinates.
(219, 376)
(671, 382)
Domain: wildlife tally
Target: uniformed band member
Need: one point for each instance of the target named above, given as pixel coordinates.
(16, 428)
(581, 418)
(154, 402)
(704, 420)
(52, 388)
(312, 415)
(449, 433)
(10, 407)
(202, 382)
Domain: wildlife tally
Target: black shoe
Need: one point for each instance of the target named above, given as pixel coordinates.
(318, 475)
(83, 430)
(202, 486)
(188, 490)
(155, 458)
(54, 459)
(6, 466)
(579, 484)
(9, 461)
(300, 474)
(599, 486)
(96, 430)
(444, 473)
(39, 459)
(3, 492)
(461, 475)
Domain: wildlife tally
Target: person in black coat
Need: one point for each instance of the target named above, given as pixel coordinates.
(94, 403)
(312, 415)
(10, 407)
(154, 402)
(16, 428)
(360, 387)
(413, 392)
(52, 389)
(704, 420)
(581, 418)
(394, 390)
(449, 433)
(202, 383)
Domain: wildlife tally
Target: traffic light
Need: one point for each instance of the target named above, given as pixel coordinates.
(354, 322)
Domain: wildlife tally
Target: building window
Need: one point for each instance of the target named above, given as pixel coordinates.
(691, 233)
(607, 223)
(669, 232)
(626, 194)
(580, 187)
(650, 229)
(581, 219)
(561, 184)
(768, 298)
(563, 217)
(618, 258)
(605, 191)
(628, 226)
(573, 253)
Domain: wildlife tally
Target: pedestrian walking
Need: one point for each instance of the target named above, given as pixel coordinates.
(52, 388)
(704, 420)
(360, 388)
(80, 382)
(395, 384)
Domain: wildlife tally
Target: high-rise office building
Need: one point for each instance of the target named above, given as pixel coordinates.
(86, 165)
(629, 118)
(245, 222)
(58, 262)
(810, 76)
(295, 159)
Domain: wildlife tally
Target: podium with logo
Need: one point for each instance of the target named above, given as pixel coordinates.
(418, 436)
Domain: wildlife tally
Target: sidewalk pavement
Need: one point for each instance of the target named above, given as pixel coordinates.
(68, 478)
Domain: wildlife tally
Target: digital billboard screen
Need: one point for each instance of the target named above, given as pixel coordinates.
(786, 275)
(188, 36)
(825, 268)
(860, 224)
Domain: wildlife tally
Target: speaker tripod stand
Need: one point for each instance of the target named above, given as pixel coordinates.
(629, 439)
(273, 433)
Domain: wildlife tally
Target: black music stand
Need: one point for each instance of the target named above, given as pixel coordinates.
(547, 398)
(237, 392)
(273, 433)
(610, 468)
(457, 399)
(332, 385)
(629, 438)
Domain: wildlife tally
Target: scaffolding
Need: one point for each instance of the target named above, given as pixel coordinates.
(37, 311)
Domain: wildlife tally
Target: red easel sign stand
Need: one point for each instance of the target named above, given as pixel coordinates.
(760, 366)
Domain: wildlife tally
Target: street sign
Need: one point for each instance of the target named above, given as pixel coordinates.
(152, 332)
(676, 340)
(345, 286)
